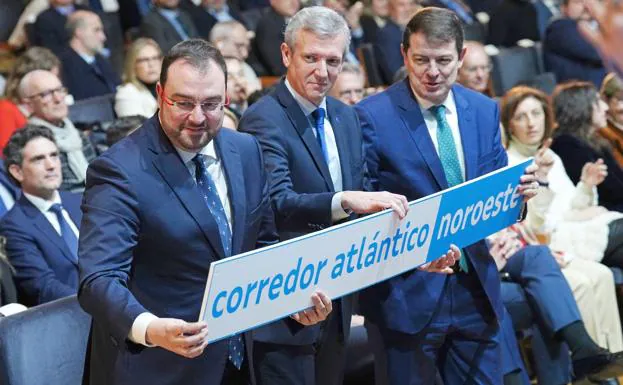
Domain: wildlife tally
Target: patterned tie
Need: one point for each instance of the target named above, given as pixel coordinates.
(66, 232)
(318, 116)
(211, 197)
(448, 156)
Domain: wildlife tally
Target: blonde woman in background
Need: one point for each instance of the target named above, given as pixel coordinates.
(137, 95)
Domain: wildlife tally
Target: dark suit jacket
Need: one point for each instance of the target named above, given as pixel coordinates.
(387, 50)
(143, 204)
(157, 27)
(202, 19)
(7, 183)
(267, 42)
(301, 187)
(569, 56)
(49, 30)
(81, 78)
(512, 21)
(45, 269)
(401, 158)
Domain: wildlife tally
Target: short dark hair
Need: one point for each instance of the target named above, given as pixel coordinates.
(20, 138)
(197, 52)
(438, 25)
(122, 127)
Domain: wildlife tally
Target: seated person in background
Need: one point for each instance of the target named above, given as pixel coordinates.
(49, 28)
(122, 127)
(14, 114)
(44, 95)
(514, 20)
(580, 114)
(373, 19)
(237, 90)
(86, 73)
(230, 120)
(566, 52)
(232, 39)
(552, 302)
(349, 86)
(167, 24)
(137, 95)
(207, 13)
(476, 68)
(462, 9)
(612, 93)
(42, 229)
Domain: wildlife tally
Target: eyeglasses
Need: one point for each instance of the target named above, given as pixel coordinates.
(145, 60)
(187, 106)
(484, 68)
(46, 95)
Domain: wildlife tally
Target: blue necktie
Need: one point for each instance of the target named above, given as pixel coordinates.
(448, 156)
(66, 232)
(318, 116)
(211, 197)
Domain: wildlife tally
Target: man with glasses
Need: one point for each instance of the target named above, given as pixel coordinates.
(160, 206)
(42, 228)
(476, 68)
(348, 87)
(43, 93)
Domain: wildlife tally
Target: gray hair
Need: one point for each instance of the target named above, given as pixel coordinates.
(321, 21)
(351, 68)
(222, 30)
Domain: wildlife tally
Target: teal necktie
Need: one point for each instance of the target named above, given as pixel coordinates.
(448, 156)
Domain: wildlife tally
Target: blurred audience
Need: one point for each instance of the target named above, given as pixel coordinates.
(352, 15)
(476, 68)
(49, 29)
(44, 95)
(122, 127)
(565, 214)
(13, 113)
(42, 229)
(207, 13)
(612, 94)
(514, 20)
(230, 120)
(373, 19)
(349, 86)
(137, 95)
(460, 7)
(580, 114)
(232, 39)
(167, 24)
(566, 52)
(607, 34)
(86, 73)
(269, 36)
(19, 37)
(237, 90)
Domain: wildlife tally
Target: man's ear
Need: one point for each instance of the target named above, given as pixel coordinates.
(16, 172)
(286, 54)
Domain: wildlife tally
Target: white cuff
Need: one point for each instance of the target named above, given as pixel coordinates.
(337, 211)
(139, 328)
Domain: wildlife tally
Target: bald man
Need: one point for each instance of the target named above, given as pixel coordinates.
(85, 71)
(476, 68)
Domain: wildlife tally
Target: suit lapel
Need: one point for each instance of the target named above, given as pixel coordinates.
(341, 140)
(469, 136)
(175, 174)
(46, 228)
(304, 129)
(232, 165)
(416, 126)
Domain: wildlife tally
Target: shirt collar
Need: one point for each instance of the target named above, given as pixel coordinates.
(43, 204)
(307, 106)
(214, 12)
(65, 10)
(209, 150)
(425, 105)
(168, 13)
(87, 58)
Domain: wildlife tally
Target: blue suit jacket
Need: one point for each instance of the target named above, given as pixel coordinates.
(301, 188)
(8, 184)
(45, 269)
(147, 242)
(401, 158)
(387, 50)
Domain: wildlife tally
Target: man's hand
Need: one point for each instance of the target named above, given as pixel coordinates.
(362, 202)
(529, 186)
(443, 265)
(593, 173)
(187, 339)
(319, 312)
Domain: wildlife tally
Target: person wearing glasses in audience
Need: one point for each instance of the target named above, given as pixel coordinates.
(42, 228)
(476, 69)
(174, 196)
(137, 95)
(349, 86)
(44, 95)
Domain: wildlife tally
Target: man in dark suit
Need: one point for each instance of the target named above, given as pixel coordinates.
(86, 73)
(208, 13)
(174, 196)
(9, 192)
(565, 50)
(423, 135)
(41, 230)
(49, 28)
(312, 151)
(269, 36)
(167, 24)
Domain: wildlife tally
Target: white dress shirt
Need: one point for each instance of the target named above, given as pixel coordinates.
(216, 171)
(335, 169)
(44, 206)
(453, 121)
